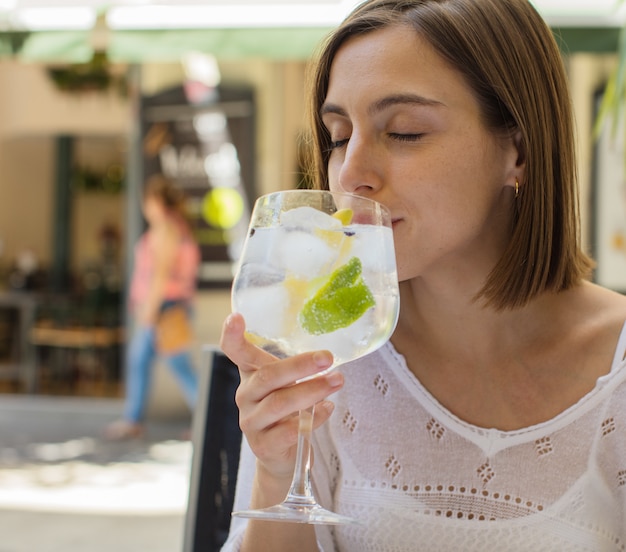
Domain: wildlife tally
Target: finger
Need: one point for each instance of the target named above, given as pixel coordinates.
(323, 411)
(279, 440)
(285, 372)
(284, 402)
(245, 355)
(250, 358)
(276, 442)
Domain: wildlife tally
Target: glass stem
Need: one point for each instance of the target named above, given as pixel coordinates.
(301, 492)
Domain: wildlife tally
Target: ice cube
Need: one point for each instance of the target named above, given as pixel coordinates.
(305, 255)
(262, 308)
(348, 343)
(308, 218)
(374, 246)
(257, 274)
(259, 245)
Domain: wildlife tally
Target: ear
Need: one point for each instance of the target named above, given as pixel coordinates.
(521, 148)
(517, 167)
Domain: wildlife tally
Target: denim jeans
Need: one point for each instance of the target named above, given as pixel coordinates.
(140, 359)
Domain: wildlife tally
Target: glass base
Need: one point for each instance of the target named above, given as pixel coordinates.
(298, 513)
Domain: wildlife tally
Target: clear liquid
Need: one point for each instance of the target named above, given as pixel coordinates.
(280, 269)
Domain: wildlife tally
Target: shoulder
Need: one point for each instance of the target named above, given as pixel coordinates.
(603, 306)
(593, 303)
(597, 317)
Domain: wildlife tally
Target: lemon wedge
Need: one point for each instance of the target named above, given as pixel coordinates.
(335, 237)
(340, 302)
(344, 216)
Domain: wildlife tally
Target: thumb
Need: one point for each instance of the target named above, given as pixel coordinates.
(233, 342)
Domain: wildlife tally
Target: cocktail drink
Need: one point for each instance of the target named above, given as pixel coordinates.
(317, 271)
(311, 280)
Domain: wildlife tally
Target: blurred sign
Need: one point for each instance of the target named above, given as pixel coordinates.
(207, 148)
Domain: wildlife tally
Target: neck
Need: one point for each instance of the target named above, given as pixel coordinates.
(456, 327)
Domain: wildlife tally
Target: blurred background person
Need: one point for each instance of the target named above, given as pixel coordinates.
(163, 284)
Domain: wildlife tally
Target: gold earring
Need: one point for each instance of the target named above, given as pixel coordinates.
(516, 188)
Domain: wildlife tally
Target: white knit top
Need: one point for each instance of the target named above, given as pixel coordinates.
(421, 479)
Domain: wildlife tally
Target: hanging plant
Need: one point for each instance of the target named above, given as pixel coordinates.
(110, 181)
(95, 75)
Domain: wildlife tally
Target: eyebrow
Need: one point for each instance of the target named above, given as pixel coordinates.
(384, 103)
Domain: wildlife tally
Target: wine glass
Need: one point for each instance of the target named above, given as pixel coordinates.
(317, 271)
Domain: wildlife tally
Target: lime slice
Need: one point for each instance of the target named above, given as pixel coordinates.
(344, 215)
(340, 302)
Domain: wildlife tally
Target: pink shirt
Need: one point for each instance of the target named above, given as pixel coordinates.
(181, 283)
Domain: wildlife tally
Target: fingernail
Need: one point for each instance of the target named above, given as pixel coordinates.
(329, 406)
(335, 379)
(322, 359)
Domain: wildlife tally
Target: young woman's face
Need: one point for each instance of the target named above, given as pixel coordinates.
(407, 131)
(153, 209)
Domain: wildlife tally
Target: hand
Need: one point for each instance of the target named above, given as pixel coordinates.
(269, 399)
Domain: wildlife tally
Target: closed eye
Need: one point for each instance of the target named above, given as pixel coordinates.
(337, 144)
(406, 137)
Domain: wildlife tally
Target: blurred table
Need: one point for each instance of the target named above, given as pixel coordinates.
(71, 344)
(76, 337)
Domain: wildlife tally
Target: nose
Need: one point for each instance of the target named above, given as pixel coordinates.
(360, 171)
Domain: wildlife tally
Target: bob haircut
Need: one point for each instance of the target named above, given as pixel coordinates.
(509, 58)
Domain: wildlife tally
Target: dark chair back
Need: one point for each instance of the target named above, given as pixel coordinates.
(216, 441)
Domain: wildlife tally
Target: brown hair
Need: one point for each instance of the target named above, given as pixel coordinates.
(168, 193)
(510, 60)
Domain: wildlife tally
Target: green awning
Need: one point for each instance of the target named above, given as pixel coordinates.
(277, 43)
(580, 39)
(169, 45)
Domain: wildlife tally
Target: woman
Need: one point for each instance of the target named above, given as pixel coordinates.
(163, 284)
(495, 419)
